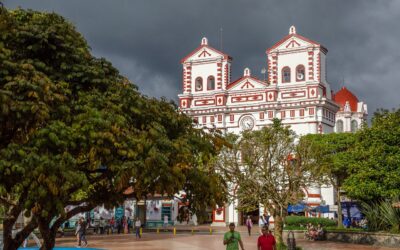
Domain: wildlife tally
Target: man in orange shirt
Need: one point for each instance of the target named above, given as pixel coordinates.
(266, 241)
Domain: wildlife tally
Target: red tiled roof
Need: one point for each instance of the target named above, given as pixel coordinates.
(344, 95)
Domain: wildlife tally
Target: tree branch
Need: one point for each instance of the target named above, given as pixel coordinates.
(71, 213)
(6, 202)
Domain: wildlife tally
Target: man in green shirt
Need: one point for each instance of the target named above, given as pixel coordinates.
(232, 238)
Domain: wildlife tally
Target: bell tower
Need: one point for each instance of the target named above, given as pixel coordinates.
(298, 60)
(206, 71)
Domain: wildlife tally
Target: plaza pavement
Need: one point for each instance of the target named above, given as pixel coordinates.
(184, 240)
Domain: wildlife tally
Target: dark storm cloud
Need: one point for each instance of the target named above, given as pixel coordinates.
(146, 39)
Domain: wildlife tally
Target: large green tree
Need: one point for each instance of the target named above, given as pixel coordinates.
(375, 174)
(333, 154)
(268, 167)
(75, 132)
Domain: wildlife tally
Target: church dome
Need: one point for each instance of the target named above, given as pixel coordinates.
(343, 96)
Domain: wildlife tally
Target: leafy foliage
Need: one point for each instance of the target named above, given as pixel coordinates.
(332, 151)
(334, 155)
(282, 246)
(382, 216)
(303, 221)
(375, 174)
(268, 167)
(75, 132)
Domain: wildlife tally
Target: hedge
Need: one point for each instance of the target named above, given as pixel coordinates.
(301, 221)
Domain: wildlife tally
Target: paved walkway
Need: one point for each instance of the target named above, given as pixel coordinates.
(184, 241)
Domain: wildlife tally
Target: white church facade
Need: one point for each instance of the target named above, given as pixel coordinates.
(296, 92)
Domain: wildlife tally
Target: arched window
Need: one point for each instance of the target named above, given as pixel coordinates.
(300, 73)
(210, 83)
(339, 126)
(198, 84)
(354, 126)
(286, 74)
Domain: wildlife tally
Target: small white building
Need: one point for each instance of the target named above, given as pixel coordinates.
(352, 113)
(295, 91)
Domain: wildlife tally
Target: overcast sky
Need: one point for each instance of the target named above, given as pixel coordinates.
(145, 39)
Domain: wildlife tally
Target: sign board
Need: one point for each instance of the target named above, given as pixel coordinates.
(153, 210)
(333, 208)
(119, 212)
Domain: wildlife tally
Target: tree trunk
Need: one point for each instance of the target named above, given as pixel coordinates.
(9, 242)
(48, 235)
(339, 204)
(278, 228)
(49, 240)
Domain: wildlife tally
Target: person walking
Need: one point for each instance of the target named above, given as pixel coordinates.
(34, 237)
(102, 225)
(81, 232)
(125, 225)
(129, 221)
(120, 222)
(232, 239)
(266, 241)
(266, 219)
(249, 224)
(261, 223)
(77, 228)
(112, 224)
(138, 224)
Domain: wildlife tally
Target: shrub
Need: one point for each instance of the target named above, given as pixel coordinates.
(382, 216)
(291, 227)
(301, 221)
(284, 247)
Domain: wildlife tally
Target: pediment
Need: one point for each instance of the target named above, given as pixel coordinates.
(247, 83)
(294, 42)
(204, 53)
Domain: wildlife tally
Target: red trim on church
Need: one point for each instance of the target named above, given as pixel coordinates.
(233, 84)
(323, 49)
(226, 56)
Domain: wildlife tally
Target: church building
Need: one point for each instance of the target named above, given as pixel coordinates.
(296, 91)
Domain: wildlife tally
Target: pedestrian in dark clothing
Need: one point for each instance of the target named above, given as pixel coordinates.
(112, 224)
(249, 224)
(347, 222)
(81, 232)
(266, 218)
(120, 223)
(129, 221)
